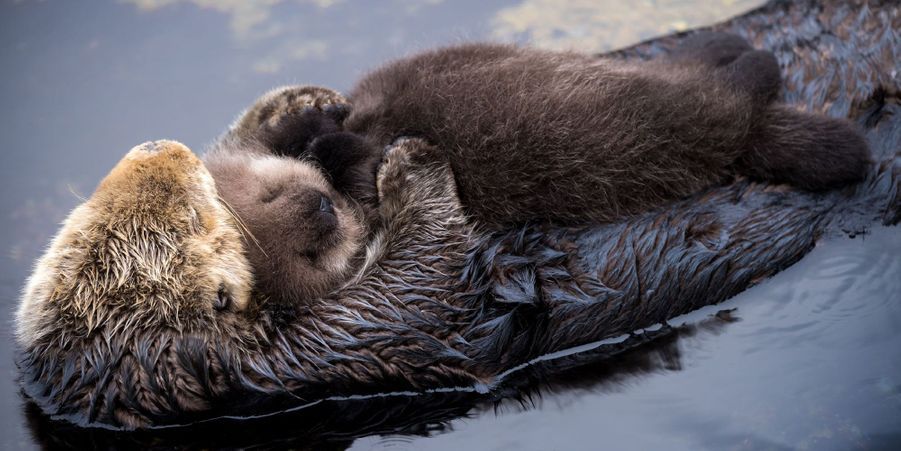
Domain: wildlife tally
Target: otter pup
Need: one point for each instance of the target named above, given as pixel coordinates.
(535, 135)
(306, 228)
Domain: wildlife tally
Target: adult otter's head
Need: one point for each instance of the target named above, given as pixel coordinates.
(145, 278)
(153, 245)
(306, 236)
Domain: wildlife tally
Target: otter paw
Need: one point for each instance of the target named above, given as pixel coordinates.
(392, 173)
(412, 170)
(287, 119)
(293, 100)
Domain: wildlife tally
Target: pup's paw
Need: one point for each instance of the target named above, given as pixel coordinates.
(272, 107)
(413, 171)
(285, 120)
(289, 118)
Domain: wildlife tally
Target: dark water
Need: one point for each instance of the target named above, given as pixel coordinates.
(813, 360)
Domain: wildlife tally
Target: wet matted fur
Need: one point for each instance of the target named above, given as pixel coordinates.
(456, 308)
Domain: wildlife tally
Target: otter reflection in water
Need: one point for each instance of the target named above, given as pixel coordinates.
(105, 344)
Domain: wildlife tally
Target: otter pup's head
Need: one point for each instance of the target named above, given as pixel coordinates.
(305, 236)
(152, 247)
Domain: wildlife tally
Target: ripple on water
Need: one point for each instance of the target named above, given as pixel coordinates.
(384, 442)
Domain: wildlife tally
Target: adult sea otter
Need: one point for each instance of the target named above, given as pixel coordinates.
(106, 340)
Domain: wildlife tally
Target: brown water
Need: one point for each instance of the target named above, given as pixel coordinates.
(813, 362)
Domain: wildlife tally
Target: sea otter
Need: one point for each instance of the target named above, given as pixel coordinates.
(138, 314)
(446, 309)
(531, 135)
(133, 318)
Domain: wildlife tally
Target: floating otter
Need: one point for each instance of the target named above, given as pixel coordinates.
(532, 136)
(459, 310)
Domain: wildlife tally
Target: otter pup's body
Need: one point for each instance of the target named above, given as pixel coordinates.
(573, 138)
(535, 135)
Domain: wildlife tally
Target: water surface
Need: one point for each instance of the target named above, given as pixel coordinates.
(811, 363)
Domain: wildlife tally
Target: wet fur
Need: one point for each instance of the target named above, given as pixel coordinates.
(425, 318)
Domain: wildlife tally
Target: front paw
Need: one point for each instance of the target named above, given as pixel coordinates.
(287, 119)
(413, 172)
(272, 107)
(392, 176)
(397, 166)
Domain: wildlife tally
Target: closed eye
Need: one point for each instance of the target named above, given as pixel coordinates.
(223, 299)
(272, 193)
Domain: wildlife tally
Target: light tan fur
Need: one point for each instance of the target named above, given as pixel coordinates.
(153, 239)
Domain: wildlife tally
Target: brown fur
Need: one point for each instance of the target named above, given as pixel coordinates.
(445, 307)
(303, 235)
(537, 136)
(153, 240)
(565, 137)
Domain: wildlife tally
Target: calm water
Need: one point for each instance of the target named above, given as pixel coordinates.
(813, 362)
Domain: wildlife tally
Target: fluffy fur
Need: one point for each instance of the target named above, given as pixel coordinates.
(537, 136)
(306, 215)
(303, 236)
(571, 138)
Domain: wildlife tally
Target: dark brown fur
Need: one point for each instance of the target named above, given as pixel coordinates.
(538, 136)
(303, 237)
(571, 138)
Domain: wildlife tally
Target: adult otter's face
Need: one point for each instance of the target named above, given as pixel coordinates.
(152, 247)
(304, 235)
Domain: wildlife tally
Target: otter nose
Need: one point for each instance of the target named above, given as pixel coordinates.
(326, 205)
(156, 149)
(158, 146)
(153, 146)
